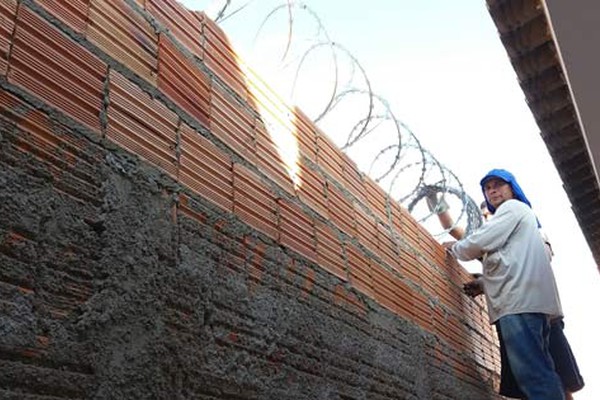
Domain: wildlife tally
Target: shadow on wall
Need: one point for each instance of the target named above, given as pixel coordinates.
(171, 229)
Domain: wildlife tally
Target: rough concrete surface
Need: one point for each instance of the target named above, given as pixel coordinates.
(109, 291)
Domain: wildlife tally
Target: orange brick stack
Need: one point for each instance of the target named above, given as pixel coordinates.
(163, 83)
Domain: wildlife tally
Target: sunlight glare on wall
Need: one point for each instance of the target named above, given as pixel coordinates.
(278, 120)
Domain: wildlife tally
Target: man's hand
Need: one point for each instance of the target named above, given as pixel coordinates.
(474, 287)
(448, 245)
(436, 203)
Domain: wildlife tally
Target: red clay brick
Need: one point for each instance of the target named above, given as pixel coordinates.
(254, 202)
(185, 25)
(255, 265)
(124, 35)
(396, 212)
(430, 247)
(433, 250)
(306, 133)
(452, 330)
(235, 258)
(410, 230)
(270, 161)
(278, 149)
(341, 210)
(309, 281)
(12, 107)
(297, 230)
(329, 251)
(205, 169)
(387, 247)
(359, 271)
(221, 59)
(356, 304)
(330, 158)
(231, 122)
(354, 181)
(266, 103)
(409, 264)
(377, 199)
(182, 81)
(422, 311)
(427, 277)
(65, 156)
(74, 13)
(391, 292)
(344, 298)
(57, 70)
(450, 295)
(311, 190)
(8, 12)
(142, 124)
(366, 228)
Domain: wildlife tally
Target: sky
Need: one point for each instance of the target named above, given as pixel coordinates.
(444, 72)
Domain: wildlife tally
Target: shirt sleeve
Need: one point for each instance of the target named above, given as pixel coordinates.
(492, 235)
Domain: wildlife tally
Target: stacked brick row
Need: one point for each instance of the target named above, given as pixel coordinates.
(163, 83)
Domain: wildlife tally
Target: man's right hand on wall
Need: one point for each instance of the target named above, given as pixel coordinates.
(474, 287)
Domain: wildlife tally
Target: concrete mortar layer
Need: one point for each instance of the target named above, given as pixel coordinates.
(112, 288)
(126, 297)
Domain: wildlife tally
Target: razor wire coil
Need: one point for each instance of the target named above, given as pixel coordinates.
(383, 147)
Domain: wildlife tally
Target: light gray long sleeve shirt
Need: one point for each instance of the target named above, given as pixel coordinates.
(517, 275)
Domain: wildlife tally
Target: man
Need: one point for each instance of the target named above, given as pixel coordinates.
(518, 283)
(564, 360)
(560, 350)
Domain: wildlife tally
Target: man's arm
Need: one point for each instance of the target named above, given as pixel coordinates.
(492, 235)
(447, 222)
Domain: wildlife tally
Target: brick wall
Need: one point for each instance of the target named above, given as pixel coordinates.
(169, 228)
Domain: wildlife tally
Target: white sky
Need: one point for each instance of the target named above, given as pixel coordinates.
(441, 66)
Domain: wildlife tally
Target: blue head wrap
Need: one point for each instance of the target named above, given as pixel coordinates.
(508, 178)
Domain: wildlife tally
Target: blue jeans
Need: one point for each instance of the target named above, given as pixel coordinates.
(526, 340)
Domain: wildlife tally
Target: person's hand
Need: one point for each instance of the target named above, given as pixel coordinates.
(436, 203)
(474, 287)
(448, 245)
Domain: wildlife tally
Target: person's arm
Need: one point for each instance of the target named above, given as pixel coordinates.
(447, 222)
(492, 235)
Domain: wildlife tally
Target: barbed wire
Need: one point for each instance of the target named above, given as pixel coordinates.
(383, 147)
